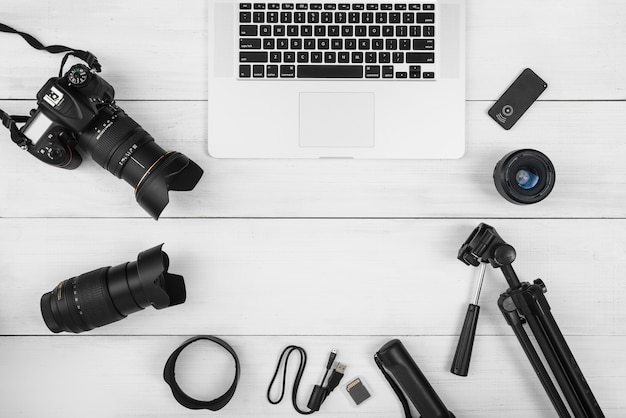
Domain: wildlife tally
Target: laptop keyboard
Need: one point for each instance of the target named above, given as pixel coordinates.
(337, 41)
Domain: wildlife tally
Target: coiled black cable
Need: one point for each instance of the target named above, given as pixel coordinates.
(296, 383)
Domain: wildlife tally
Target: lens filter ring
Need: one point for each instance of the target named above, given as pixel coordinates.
(524, 176)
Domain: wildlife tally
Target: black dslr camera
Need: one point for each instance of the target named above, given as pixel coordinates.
(79, 109)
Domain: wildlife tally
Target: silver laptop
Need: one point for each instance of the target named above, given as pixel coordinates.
(302, 79)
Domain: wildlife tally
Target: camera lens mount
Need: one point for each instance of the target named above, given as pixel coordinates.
(524, 176)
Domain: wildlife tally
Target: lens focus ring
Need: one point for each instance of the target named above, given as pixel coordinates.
(93, 301)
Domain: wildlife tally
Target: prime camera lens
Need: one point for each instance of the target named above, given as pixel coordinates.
(125, 149)
(109, 294)
(524, 176)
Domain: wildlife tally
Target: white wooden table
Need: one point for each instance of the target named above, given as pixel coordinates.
(323, 254)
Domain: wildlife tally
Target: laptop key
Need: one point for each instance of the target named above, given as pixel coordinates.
(258, 71)
(253, 57)
(288, 71)
(420, 57)
(423, 44)
(330, 71)
(245, 17)
(245, 6)
(387, 71)
(401, 74)
(425, 18)
(258, 17)
(272, 71)
(249, 43)
(248, 30)
(428, 74)
(244, 71)
(415, 71)
(372, 71)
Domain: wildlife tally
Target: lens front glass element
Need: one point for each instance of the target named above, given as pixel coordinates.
(526, 178)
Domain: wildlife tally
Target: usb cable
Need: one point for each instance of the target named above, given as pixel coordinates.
(320, 392)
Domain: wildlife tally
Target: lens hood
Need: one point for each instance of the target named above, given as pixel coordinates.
(524, 176)
(162, 289)
(175, 172)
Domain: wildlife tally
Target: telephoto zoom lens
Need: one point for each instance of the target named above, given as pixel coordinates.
(122, 147)
(524, 176)
(109, 294)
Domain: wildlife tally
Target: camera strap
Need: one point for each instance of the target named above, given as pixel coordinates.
(184, 399)
(11, 121)
(86, 56)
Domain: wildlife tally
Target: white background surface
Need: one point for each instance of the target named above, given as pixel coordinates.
(323, 254)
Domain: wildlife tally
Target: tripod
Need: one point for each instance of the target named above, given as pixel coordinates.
(526, 303)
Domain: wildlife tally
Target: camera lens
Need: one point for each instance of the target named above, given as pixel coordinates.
(524, 176)
(109, 294)
(125, 149)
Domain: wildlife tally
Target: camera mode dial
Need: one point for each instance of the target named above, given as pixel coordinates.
(78, 75)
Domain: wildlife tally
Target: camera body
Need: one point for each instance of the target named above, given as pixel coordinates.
(78, 109)
(67, 106)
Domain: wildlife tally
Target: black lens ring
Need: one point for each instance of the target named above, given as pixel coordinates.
(504, 176)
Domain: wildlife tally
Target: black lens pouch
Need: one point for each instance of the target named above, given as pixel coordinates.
(184, 399)
(393, 359)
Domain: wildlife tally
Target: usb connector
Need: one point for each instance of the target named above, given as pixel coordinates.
(336, 376)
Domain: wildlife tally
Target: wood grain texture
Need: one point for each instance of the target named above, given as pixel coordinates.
(585, 141)
(321, 277)
(324, 254)
(159, 48)
(122, 376)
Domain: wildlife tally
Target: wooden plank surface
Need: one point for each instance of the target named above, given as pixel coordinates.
(325, 254)
(585, 141)
(159, 48)
(122, 376)
(306, 277)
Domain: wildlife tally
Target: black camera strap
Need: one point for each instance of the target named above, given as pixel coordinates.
(184, 399)
(11, 121)
(86, 56)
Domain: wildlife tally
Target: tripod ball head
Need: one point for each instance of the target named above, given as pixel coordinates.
(485, 245)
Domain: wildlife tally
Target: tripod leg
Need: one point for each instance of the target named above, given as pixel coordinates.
(514, 320)
(582, 396)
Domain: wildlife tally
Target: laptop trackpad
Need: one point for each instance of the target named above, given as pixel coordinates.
(337, 120)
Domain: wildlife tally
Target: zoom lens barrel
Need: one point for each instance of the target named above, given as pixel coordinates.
(109, 294)
(122, 147)
(524, 176)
